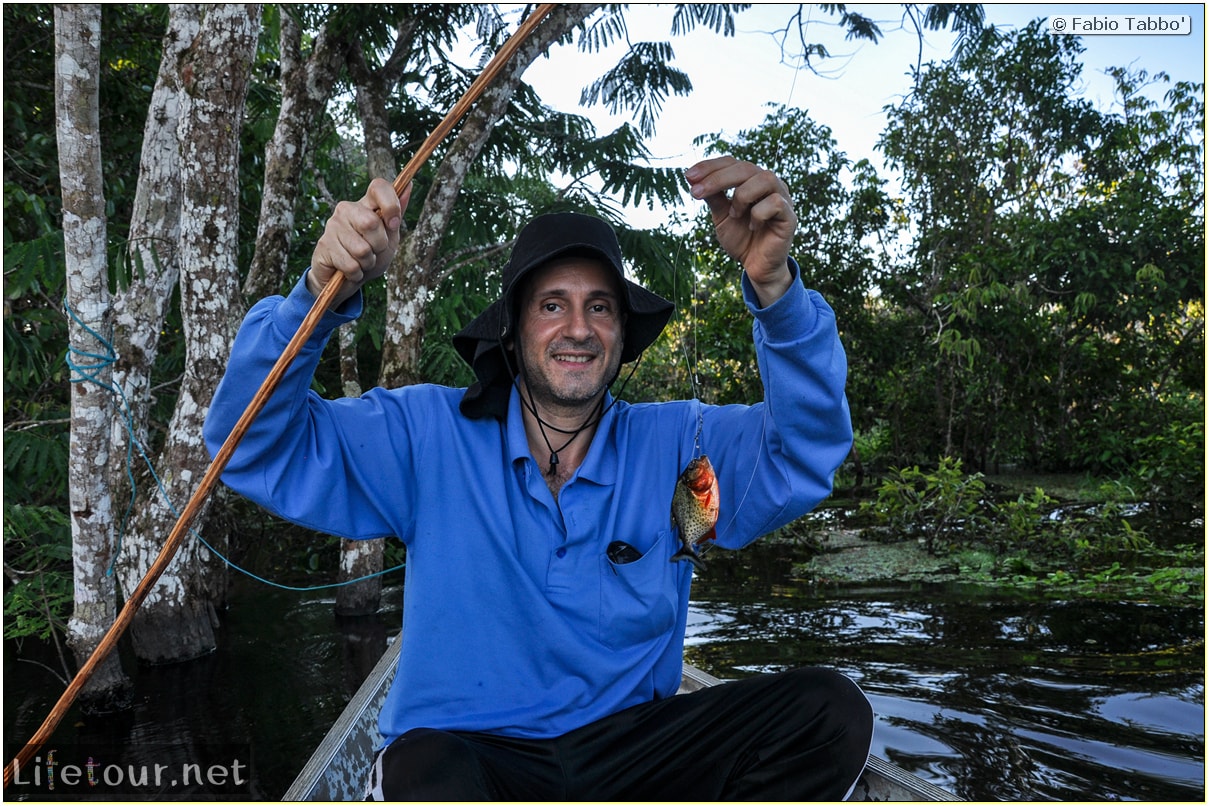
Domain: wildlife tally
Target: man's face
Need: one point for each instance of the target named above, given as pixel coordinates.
(570, 333)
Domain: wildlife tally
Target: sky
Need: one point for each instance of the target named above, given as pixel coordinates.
(735, 79)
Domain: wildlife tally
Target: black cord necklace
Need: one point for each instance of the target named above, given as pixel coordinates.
(542, 425)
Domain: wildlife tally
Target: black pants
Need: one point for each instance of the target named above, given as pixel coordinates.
(798, 735)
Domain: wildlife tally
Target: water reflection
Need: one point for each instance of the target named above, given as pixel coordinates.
(284, 670)
(987, 697)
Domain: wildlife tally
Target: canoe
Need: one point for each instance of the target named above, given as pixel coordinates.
(336, 770)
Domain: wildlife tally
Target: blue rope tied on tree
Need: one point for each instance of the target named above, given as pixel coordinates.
(91, 373)
(87, 367)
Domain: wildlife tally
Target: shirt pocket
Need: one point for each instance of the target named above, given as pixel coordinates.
(638, 599)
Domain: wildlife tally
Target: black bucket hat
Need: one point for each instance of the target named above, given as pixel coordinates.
(481, 343)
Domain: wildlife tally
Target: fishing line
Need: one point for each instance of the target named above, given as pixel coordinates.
(763, 405)
(692, 363)
(91, 372)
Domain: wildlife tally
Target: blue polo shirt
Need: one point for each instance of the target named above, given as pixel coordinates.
(514, 619)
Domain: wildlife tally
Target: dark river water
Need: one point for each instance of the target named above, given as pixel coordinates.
(990, 698)
(993, 698)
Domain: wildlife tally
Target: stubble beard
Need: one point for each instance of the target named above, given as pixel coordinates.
(564, 395)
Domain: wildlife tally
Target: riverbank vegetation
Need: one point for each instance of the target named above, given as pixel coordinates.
(1085, 539)
(1024, 288)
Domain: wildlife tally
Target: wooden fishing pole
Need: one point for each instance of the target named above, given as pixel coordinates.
(223, 456)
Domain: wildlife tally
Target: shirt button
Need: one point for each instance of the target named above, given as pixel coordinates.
(562, 552)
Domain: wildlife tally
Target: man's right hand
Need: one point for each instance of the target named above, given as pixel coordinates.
(359, 241)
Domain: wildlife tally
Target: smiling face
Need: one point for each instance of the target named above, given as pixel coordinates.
(570, 331)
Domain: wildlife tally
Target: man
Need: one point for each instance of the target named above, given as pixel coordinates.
(543, 615)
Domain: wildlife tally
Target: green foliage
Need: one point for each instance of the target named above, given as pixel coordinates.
(1051, 306)
(1031, 540)
(1018, 520)
(1175, 582)
(35, 334)
(1091, 537)
(640, 81)
(940, 505)
(1180, 580)
(1076, 549)
(873, 444)
(644, 76)
(37, 536)
(37, 565)
(35, 342)
(1156, 445)
(1171, 460)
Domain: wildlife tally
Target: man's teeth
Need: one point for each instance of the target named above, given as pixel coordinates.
(575, 359)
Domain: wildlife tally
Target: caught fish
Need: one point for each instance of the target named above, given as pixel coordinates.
(695, 509)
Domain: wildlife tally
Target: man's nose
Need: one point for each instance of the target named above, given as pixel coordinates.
(576, 325)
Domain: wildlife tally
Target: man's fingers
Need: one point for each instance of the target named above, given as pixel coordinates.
(759, 186)
(381, 198)
(365, 239)
(711, 177)
(733, 189)
(360, 238)
(772, 209)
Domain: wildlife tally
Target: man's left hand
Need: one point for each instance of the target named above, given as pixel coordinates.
(753, 218)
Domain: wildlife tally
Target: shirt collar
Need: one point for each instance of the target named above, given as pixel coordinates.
(600, 464)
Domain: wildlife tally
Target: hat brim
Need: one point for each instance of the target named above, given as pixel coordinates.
(481, 344)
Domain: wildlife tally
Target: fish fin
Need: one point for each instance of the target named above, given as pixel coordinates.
(691, 556)
(712, 534)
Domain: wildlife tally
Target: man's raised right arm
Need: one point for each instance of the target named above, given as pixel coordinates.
(281, 449)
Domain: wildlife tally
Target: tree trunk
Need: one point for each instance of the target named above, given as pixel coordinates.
(360, 560)
(77, 83)
(417, 273)
(140, 310)
(306, 85)
(177, 619)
